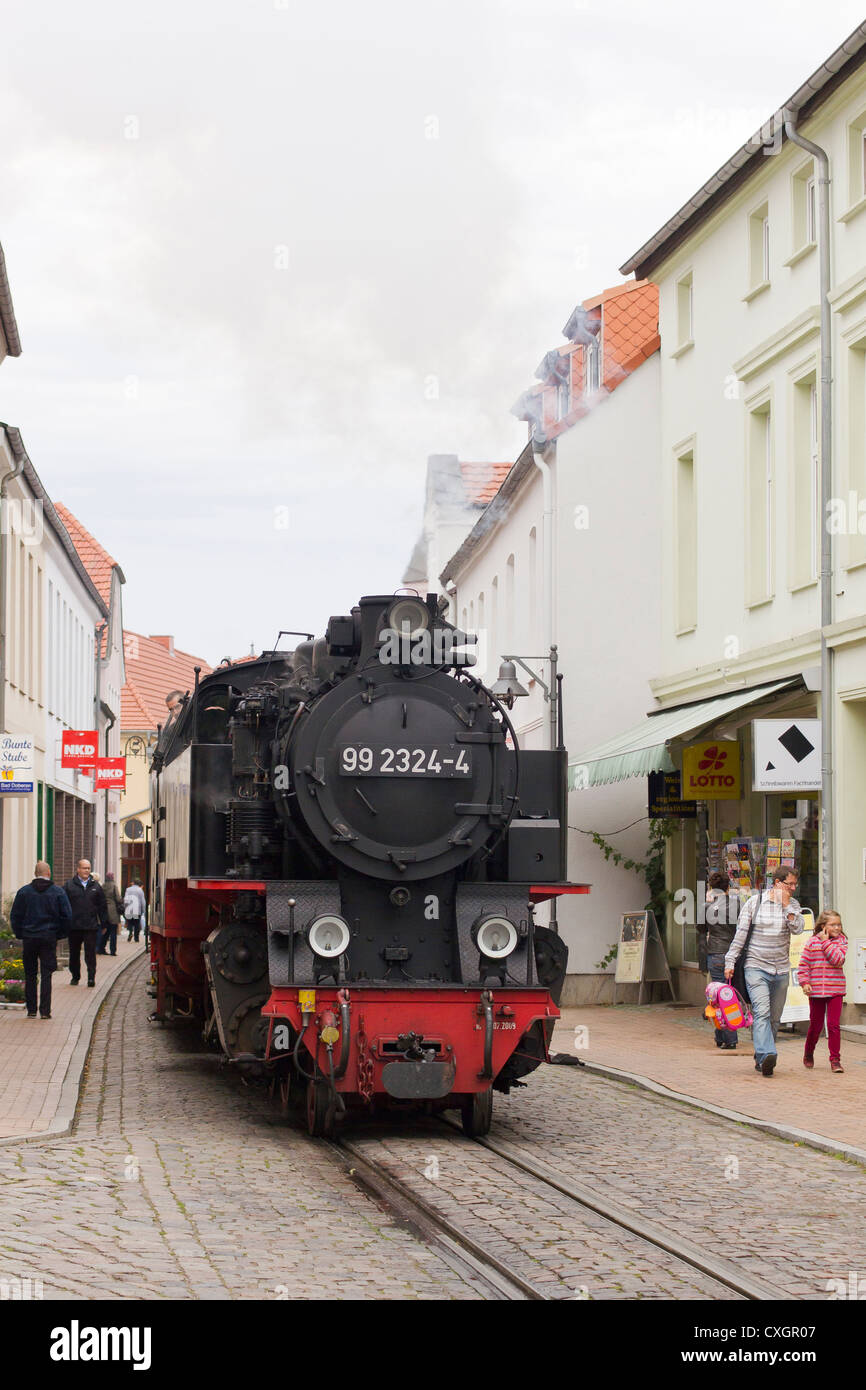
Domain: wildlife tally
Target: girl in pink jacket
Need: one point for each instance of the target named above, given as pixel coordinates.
(822, 978)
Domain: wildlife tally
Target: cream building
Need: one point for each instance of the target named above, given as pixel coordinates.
(740, 312)
(567, 553)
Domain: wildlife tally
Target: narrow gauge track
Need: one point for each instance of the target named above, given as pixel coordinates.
(494, 1277)
(491, 1276)
(620, 1216)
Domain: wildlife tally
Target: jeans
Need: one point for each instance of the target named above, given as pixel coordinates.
(39, 953)
(767, 994)
(108, 937)
(716, 967)
(817, 1004)
(77, 939)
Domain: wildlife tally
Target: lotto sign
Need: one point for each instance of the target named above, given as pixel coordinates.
(787, 755)
(16, 764)
(711, 771)
(79, 748)
(110, 772)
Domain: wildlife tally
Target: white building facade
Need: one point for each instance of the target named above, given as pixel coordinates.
(553, 560)
(740, 377)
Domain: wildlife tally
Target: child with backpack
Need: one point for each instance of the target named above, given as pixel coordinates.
(822, 980)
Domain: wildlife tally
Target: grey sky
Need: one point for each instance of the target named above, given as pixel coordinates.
(239, 260)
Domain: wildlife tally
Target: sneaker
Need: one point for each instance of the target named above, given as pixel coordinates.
(768, 1064)
(757, 1066)
(44, 1015)
(31, 1015)
(836, 1066)
(729, 1047)
(808, 1062)
(90, 984)
(73, 982)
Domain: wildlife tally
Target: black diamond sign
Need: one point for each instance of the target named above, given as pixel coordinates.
(795, 742)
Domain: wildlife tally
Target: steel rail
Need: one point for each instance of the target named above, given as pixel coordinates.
(753, 1289)
(463, 1254)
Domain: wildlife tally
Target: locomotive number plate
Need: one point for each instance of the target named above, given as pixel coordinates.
(445, 760)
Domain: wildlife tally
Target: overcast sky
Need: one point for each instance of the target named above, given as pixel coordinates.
(267, 256)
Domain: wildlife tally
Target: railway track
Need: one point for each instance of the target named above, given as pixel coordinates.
(496, 1278)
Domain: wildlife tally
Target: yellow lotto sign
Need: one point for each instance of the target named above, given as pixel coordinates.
(711, 771)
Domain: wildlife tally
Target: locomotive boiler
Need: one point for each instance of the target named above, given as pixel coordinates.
(349, 848)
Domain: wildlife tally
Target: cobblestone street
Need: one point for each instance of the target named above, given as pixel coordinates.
(181, 1182)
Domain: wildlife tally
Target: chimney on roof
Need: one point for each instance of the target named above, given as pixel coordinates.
(167, 642)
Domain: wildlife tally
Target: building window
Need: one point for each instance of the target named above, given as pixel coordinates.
(857, 160)
(563, 399)
(805, 557)
(760, 506)
(855, 548)
(685, 311)
(759, 248)
(803, 196)
(532, 566)
(686, 542)
(593, 374)
(508, 610)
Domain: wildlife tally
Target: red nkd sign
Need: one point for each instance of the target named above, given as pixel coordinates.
(110, 772)
(78, 748)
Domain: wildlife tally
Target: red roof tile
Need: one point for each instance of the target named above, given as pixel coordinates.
(95, 559)
(153, 669)
(482, 481)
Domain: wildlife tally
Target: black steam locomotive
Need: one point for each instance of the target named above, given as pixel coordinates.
(349, 848)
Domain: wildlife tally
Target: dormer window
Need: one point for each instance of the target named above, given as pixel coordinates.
(563, 400)
(593, 367)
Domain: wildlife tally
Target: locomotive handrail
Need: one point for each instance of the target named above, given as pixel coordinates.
(486, 1005)
(346, 1034)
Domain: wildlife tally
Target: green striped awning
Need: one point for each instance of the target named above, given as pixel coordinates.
(644, 748)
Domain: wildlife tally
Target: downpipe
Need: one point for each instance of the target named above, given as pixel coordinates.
(822, 162)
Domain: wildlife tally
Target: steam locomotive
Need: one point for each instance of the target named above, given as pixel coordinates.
(349, 849)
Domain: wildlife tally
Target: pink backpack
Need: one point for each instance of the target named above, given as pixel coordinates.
(726, 1007)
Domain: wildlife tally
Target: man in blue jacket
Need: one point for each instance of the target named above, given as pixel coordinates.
(40, 914)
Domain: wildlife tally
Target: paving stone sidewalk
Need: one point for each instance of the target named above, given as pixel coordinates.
(674, 1047)
(40, 1055)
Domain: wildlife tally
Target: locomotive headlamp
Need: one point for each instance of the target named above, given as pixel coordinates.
(496, 937)
(328, 936)
(409, 616)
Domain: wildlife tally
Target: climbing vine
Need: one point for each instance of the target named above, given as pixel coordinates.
(651, 869)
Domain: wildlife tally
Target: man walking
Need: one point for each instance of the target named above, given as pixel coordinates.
(40, 915)
(89, 913)
(114, 909)
(769, 921)
(134, 910)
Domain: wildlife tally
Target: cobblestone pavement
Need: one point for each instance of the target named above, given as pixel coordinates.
(674, 1046)
(180, 1182)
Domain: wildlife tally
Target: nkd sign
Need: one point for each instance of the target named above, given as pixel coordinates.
(711, 771)
(110, 772)
(78, 748)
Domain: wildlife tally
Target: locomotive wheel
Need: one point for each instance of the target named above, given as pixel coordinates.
(318, 1102)
(477, 1114)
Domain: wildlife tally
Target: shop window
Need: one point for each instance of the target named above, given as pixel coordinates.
(760, 504)
(805, 536)
(686, 523)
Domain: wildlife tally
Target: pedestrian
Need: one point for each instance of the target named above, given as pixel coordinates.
(114, 909)
(767, 923)
(40, 915)
(720, 915)
(89, 913)
(822, 978)
(135, 911)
